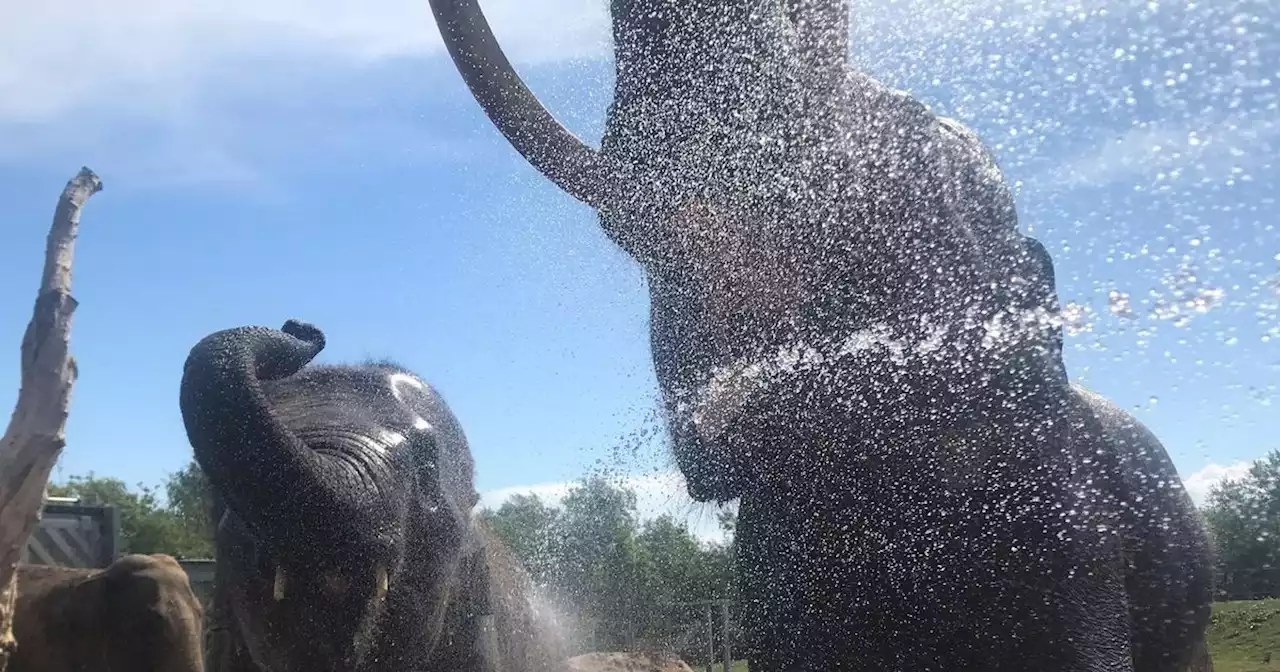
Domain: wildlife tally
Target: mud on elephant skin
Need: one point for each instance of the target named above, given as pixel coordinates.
(344, 496)
(139, 613)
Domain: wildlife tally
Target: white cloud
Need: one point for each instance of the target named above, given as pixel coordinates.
(662, 492)
(923, 22)
(1200, 482)
(151, 54)
(551, 493)
(1214, 150)
(143, 54)
(164, 63)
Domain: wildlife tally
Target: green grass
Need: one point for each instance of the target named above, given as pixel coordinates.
(1243, 633)
(738, 666)
(1241, 636)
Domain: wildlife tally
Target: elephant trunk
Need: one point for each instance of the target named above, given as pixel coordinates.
(277, 485)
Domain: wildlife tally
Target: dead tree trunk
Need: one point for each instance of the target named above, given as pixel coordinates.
(35, 435)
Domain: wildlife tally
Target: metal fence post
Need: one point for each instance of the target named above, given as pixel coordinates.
(111, 534)
(711, 637)
(724, 615)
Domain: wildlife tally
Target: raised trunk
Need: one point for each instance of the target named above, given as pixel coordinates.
(540, 139)
(289, 495)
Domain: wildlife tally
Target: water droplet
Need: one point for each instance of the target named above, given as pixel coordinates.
(1119, 303)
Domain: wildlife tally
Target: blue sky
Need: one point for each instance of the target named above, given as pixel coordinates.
(272, 159)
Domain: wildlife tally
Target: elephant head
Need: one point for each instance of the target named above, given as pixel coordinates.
(348, 492)
(811, 238)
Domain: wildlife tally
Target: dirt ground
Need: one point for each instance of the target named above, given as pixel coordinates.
(627, 662)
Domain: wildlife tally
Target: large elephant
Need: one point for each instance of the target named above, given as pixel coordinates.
(346, 539)
(851, 335)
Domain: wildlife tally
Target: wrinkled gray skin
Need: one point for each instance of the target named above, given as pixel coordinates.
(921, 486)
(345, 538)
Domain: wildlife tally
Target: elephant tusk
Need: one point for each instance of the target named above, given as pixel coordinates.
(280, 583)
(381, 581)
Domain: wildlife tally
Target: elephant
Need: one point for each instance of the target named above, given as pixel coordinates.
(852, 338)
(346, 538)
(138, 613)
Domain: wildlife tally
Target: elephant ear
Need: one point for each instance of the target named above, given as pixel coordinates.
(425, 460)
(88, 605)
(1018, 266)
(442, 453)
(444, 475)
(128, 591)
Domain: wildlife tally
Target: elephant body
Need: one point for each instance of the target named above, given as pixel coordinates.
(851, 335)
(346, 539)
(139, 613)
(914, 567)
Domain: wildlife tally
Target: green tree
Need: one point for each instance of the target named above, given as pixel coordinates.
(674, 563)
(599, 567)
(595, 555)
(191, 504)
(728, 522)
(529, 527)
(145, 526)
(1244, 519)
(676, 568)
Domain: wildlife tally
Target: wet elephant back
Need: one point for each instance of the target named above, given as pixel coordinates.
(1167, 550)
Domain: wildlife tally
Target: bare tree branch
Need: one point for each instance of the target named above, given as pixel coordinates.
(36, 433)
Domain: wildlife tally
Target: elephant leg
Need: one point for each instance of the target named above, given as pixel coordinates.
(221, 645)
(1201, 661)
(762, 582)
(226, 654)
(223, 649)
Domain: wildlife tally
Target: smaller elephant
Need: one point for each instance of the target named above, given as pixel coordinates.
(346, 540)
(138, 614)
